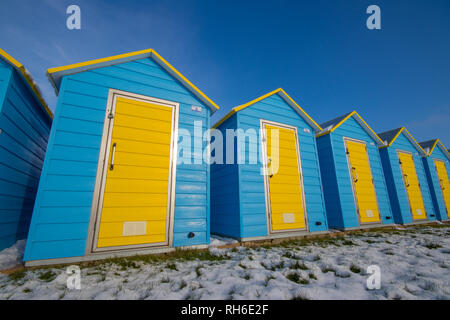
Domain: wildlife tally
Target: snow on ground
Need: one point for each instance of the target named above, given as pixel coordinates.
(218, 241)
(415, 264)
(12, 256)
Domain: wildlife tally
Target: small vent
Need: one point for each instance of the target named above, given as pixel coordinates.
(288, 218)
(134, 228)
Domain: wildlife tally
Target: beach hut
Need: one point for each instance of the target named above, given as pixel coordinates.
(25, 122)
(269, 187)
(437, 170)
(410, 197)
(111, 183)
(352, 175)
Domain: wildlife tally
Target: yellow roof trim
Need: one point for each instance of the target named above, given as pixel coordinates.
(97, 61)
(414, 140)
(27, 78)
(398, 134)
(248, 104)
(432, 148)
(151, 53)
(184, 78)
(393, 139)
(435, 144)
(336, 126)
(351, 114)
(303, 111)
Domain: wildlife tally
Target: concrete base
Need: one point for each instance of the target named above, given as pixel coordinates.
(419, 222)
(285, 235)
(108, 255)
(367, 226)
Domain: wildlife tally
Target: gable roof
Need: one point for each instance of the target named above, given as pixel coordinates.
(55, 74)
(429, 146)
(285, 97)
(390, 136)
(335, 123)
(27, 78)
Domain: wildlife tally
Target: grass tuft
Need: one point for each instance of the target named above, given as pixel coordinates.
(47, 276)
(18, 275)
(294, 277)
(355, 269)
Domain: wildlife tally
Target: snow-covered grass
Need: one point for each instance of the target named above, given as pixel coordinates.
(414, 262)
(12, 256)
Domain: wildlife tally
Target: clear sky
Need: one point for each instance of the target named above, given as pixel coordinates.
(320, 52)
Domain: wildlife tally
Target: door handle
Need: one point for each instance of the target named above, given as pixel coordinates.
(271, 170)
(111, 167)
(406, 180)
(442, 184)
(355, 176)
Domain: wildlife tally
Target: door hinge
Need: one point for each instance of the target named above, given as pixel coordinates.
(110, 116)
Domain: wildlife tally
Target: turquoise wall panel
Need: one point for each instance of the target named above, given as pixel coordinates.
(25, 127)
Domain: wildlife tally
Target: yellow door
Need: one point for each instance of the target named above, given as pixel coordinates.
(412, 185)
(285, 189)
(443, 182)
(363, 187)
(135, 199)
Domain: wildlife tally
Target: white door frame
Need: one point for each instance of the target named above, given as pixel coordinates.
(102, 169)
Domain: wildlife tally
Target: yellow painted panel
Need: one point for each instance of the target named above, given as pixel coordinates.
(364, 188)
(285, 188)
(136, 188)
(146, 135)
(146, 104)
(443, 182)
(412, 186)
(153, 228)
(141, 123)
(286, 197)
(146, 113)
(140, 160)
(123, 145)
(115, 214)
(124, 241)
(140, 172)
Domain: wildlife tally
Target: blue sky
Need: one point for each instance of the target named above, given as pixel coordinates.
(320, 52)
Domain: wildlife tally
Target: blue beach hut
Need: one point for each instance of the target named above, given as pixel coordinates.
(279, 195)
(352, 175)
(111, 183)
(406, 180)
(437, 168)
(25, 122)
